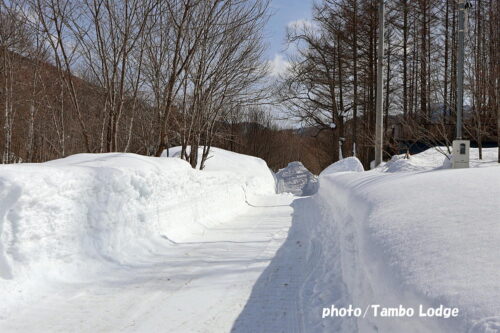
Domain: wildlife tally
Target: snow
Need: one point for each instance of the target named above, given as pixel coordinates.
(107, 238)
(296, 179)
(386, 238)
(305, 274)
(94, 205)
(252, 171)
(127, 243)
(435, 158)
(411, 233)
(348, 164)
(200, 285)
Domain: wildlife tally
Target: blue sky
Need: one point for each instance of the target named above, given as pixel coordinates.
(284, 12)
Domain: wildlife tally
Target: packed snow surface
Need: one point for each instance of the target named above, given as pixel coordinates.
(296, 179)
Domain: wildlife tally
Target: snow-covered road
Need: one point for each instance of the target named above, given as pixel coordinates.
(200, 285)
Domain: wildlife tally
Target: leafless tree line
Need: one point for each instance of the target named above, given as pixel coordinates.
(332, 81)
(259, 134)
(130, 75)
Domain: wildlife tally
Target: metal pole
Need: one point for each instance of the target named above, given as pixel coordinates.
(460, 67)
(379, 120)
(461, 148)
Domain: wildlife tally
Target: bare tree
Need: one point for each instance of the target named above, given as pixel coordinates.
(107, 34)
(14, 41)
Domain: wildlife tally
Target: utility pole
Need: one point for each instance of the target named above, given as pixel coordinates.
(460, 68)
(379, 120)
(461, 147)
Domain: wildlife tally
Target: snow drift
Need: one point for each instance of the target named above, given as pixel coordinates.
(434, 158)
(251, 171)
(411, 238)
(296, 179)
(69, 218)
(349, 164)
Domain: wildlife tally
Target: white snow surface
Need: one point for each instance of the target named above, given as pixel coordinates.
(296, 179)
(435, 158)
(120, 242)
(348, 164)
(411, 233)
(126, 243)
(252, 171)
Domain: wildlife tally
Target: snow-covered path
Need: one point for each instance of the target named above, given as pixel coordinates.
(281, 297)
(304, 276)
(200, 285)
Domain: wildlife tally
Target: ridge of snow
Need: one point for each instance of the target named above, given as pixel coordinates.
(434, 158)
(252, 171)
(418, 237)
(75, 218)
(348, 164)
(296, 179)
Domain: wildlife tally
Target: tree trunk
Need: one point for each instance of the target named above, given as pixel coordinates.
(405, 59)
(355, 78)
(423, 62)
(446, 56)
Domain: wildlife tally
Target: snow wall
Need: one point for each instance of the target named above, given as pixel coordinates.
(252, 172)
(430, 237)
(296, 179)
(70, 216)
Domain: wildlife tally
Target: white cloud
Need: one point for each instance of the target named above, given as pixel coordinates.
(278, 66)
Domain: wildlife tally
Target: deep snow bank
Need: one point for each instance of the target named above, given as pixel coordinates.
(251, 171)
(349, 164)
(68, 217)
(296, 179)
(416, 238)
(433, 159)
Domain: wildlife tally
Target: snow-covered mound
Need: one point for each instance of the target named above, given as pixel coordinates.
(433, 158)
(70, 217)
(416, 238)
(252, 171)
(349, 164)
(296, 179)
